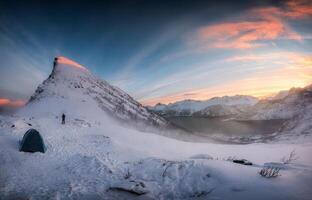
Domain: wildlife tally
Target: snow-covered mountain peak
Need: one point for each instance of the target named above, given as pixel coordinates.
(71, 88)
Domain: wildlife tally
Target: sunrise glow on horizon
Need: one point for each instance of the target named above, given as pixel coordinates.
(297, 72)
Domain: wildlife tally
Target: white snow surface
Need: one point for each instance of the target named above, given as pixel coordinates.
(88, 160)
(93, 156)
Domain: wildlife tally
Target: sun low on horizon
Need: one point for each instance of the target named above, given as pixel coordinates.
(159, 51)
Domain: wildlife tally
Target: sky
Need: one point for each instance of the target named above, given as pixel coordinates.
(159, 51)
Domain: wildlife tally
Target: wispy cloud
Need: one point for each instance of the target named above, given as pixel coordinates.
(272, 57)
(286, 58)
(126, 75)
(254, 28)
(24, 61)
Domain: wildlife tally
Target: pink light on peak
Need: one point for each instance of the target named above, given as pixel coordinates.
(67, 61)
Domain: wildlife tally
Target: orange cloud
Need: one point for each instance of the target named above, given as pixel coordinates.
(295, 9)
(242, 35)
(298, 9)
(262, 24)
(11, 103)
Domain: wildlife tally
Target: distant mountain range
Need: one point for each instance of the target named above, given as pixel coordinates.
(283, 105)
(217, 106)
(294, 105)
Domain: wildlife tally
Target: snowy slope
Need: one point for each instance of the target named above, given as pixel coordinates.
(300, 123)
(108, 161)
(280, 95)
(189, 107)
(72, 89)
(283, 106)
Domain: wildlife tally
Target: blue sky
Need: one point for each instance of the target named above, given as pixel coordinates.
(159, 51)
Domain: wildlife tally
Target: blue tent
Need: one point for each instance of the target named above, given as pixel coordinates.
(32, 142)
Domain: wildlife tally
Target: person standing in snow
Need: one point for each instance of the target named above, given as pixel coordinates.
(63, 118)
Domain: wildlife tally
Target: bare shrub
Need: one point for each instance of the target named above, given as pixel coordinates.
(231, 158)
(167, 164)
(290, 158)
(270, 172)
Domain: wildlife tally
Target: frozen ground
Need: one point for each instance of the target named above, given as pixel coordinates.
(103, 160)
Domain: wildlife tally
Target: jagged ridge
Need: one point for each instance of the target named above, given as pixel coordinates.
(71, 83)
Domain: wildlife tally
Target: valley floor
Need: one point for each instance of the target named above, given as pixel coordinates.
(103, 160)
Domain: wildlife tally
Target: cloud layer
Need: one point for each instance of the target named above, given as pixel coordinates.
(255, 28)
